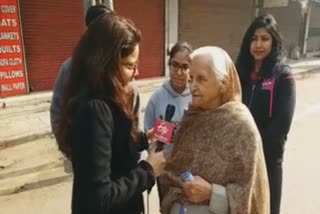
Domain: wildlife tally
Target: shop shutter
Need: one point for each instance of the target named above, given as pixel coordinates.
(149, 17)
(51, 30)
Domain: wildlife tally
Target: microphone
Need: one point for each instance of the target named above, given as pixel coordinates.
(170, 110)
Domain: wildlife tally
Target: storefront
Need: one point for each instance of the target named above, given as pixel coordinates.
(214, 22)
(12, 62)
(50, 29)
(150, 19)
(37, 36)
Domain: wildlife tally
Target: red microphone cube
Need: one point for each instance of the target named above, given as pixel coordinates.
(163, 131)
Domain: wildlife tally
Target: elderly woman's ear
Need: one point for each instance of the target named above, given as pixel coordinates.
(223, 84)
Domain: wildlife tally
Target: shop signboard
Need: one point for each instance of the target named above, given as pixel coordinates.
(13, 80)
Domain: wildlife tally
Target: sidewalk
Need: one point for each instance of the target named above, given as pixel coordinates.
(26, 118)
(304, 66)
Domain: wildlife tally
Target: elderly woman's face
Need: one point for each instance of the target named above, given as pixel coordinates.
(205, 86)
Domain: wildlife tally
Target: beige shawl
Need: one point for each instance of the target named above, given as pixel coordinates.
(224, 147)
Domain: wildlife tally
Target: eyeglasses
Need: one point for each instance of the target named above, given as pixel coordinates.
(176, 66)
(133, 67)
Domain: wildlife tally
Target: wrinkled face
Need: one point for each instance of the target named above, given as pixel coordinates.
(129, 66)
(261, 44)
(205, 86)
(179, 70)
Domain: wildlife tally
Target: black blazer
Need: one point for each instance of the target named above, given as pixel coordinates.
(107, 177)
(272, 102)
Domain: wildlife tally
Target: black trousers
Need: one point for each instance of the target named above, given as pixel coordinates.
(275, 183)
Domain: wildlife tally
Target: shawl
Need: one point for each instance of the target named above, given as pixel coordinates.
(224, 147)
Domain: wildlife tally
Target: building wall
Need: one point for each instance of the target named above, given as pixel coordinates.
(215, 22)
(290, 20)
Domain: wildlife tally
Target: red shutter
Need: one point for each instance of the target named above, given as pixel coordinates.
(51, 29)
(149, 17)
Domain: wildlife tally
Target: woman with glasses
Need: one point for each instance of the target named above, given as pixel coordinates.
(174, 91)
(98, 127)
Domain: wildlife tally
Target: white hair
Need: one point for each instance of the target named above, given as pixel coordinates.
(220, 59)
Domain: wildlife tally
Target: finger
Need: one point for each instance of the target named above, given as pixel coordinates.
(150, 132)
(186, 190)
(152, 149)
(188, 194)
(185, 187)
(191, 191)
(151, 140)
(189, 183)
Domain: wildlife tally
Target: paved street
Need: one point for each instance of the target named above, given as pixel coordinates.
(301, 177)
(302, 169)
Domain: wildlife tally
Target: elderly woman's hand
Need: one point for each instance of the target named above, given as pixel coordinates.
(198, 190)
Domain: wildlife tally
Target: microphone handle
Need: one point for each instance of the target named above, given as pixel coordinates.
(159, 146)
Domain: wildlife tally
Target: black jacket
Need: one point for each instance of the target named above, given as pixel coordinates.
(107, 177)
(272, 102)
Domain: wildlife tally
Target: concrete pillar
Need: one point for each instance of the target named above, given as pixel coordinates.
(87, 4)
(306, 31)
(109, 4)
(259, 7)
(171, 28)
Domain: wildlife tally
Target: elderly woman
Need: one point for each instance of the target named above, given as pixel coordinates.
(218, 142)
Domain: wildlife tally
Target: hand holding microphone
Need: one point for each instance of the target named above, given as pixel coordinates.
(163, 130)
(157, 161)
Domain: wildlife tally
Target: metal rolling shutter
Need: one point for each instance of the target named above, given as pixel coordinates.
(149, 17)
(51, 29)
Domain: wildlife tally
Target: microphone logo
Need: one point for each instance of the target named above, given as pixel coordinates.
(162, 129)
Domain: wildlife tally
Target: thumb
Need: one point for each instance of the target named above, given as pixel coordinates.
(152, 148)
(150, 133)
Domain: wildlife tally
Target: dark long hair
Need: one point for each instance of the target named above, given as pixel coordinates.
(95, 68)
(245, 61)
